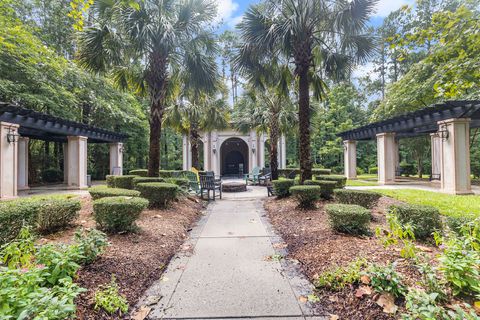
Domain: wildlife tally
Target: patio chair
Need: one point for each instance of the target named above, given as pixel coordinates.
(208, 183)
(265, 177)
(253, 176)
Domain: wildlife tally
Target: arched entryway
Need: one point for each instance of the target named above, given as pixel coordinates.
(234, 157)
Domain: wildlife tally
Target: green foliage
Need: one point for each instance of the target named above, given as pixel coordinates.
(138, 180)
(89, 243)
(57, 214)
(337, 278)
(422, 306)
(14, 215)
(348, 218)
(364, 198)
(424, 219)
(52, 175)
(116, 214)
(109, 299)
(340, 180)
(282, 187)
(181, 182)
(373, 170)
(139, 172)
(397, 232)
(102, 192)
(159, 194)
(386, 279)
(124, 182)
(170, 173)
(19, 252)
(110, 181)
(326, 187)
(306, 195)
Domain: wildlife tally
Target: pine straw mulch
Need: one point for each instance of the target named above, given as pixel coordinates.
(318, 248)
(136, 259)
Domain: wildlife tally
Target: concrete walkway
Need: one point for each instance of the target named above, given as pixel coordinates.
(229, 269)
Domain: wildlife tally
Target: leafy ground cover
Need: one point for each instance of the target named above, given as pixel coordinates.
(449, 205)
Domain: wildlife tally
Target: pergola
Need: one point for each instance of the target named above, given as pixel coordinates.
(448, 125)
(18, 125)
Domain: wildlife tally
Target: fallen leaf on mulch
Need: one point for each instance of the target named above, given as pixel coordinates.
(387, 301)
(334, 317)
(303, 299)
(423, 248)
(365, 279)
(363, 290)
(142, 313)
(280, 245)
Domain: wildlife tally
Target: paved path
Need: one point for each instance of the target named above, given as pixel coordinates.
(225, 270)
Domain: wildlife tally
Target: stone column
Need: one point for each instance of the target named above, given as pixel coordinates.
(282, 164)
(350, 158)
(77, 162)
(8, 161)
(455, 156)
(386, 157)
(215, 154)
(116, 158)
(23, 163)
(252, 150)
(261, 150)
(436, 148)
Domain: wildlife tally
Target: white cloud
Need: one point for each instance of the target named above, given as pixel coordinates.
(363, 70)
(384, 7)
(225, 9)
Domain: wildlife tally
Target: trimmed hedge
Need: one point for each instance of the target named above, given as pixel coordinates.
(306, 195)
(170, 173)
(110, 181)
(315, 171)
(124, 182)
(424, 219)
(41, 213)
(373, 170)
(364, 198)
(183, 183)
(116, 214)
(339, 179)
(140, 179)
(326, 187)
(52, 175)
(282, 187)
(103, 192)
(348, 218)
(139, 172)
(158, 194)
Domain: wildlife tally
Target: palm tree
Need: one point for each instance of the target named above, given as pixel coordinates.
(320, 37)
(144, 46)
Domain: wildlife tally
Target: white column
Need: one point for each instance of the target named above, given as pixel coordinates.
(436, 148)
(77, 162)
(8, 161)
(23, 163)
(206, 151)
(215, 156)
(252, 150)
(261, 150)
(386, 157)
(184, 153)
(283, 153)
(116, 158)
(455, 156)
(350, 158)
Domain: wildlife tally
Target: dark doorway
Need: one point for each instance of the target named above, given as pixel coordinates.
(234, 155)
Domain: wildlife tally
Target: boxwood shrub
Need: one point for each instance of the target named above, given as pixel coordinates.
(158, 194)
(348, 218)
(373, 170)
(110, 181)
(124, 182)
(170, 173)
(320, 171)
(326, 187)
(282, 187)
(424, 219)
(57, 214)
(139, 172)
(364, 198)
(103, 192)
(315, 171)
(52, 175)
(339, 179)
(138, 180)
(306, 195)
(115, 214)
(183, 183)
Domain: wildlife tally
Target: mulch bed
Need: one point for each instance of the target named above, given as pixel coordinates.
(318, 248)
(136, 259)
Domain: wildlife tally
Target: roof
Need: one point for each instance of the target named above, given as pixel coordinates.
(420, 122)
(46, 127)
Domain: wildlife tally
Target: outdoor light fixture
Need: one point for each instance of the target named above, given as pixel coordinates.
(253, 148)
(443, 134)
(214, 149)
(121, 150)
(12, 136)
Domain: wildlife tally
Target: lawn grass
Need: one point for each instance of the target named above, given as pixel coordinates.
(360, 183)
(449, 205)
(367, 176)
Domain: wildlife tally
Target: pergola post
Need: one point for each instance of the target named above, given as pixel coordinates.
(77, 162)
(22, 183)
(386, 157)
(455, 155)
(116, 158)
(8, 160)
(350, 158)
(436, 151)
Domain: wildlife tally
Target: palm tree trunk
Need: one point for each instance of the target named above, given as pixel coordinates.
(157, 83)
(274, 134)
(304, 124)
(194, 139)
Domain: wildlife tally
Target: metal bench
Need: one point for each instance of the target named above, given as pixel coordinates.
(209, 183)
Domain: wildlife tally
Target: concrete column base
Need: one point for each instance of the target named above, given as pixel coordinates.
(350, 159)
(386, 158)
(116, 158)
(77, 162)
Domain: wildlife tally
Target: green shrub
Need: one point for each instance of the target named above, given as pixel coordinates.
(57, 214)
(159, 194)
(138, 180)
(337, 278)
(110, 181)
(386, 279)
(89, 244)
(14, 215)
(282, 187)
(373, 170)
(139, 172)
(103, 192)
(457, 223)
(181, 182)
(424, 219)
(407, 169)
(326, 187)
(124, 182)
(321, 171)
(360, 171)
(170, 173)
(306, 195)
(52, 175)
(108, 298)
(285, 172)
(348, 218)
(116, 214)
(340, 180)
(364, 198)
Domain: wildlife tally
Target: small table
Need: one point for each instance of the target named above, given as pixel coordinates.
(234, 186)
